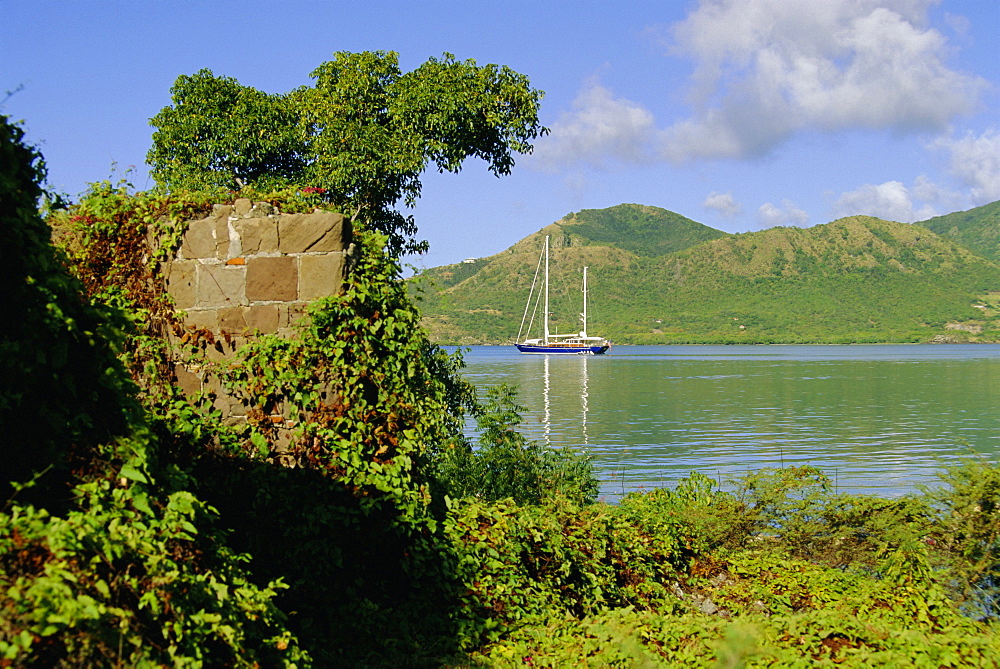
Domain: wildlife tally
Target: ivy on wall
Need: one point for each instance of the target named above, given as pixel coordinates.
(104, 558)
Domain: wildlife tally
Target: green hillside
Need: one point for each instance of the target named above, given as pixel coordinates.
(645, 231)
(858, 279)
(977, 229)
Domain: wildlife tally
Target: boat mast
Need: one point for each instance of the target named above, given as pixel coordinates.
(584, 333)
(546, 336)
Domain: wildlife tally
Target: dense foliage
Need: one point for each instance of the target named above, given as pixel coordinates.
(505, 465)
(104, 558)
(977, 229)
(361, 136)
(63, 393)
(856, 280)
(777, 571)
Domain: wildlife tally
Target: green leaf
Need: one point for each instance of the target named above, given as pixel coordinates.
(132, 473)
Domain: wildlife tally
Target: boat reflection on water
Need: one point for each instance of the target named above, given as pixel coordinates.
(549, 395)
(583, 398)
(547, 415)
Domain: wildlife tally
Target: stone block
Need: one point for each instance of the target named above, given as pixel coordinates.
(221, 211)
(232, 320)
(242, 206)
(221, 350)
(234, 421)
(224, 240)
(207, 319)
(321, 275)
(221, 285)
(181, 276)
(263, 318)
(257, 235)
(290, 314)
(199, 240)
(226, 345)
(283, 441)
(212, 385)
(319, 232)
(188, 382)
(271, 279)
(224, 404)
(261, 209)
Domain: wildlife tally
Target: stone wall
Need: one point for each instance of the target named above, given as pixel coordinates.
(249, 270)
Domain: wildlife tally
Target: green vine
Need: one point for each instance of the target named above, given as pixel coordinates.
(370, 398)
(105, 560)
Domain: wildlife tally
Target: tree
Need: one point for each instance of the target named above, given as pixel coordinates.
(361, 136)
(220, 134)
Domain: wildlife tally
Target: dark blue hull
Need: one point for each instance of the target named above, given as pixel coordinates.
(578, 350)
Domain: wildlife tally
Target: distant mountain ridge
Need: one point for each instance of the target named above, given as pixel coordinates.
(658, 277)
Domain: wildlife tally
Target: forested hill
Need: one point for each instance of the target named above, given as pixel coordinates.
(977, 229)
(857, 279)
(645, 231)
(635, 229)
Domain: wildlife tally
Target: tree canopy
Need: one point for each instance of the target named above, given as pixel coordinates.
(361, 136)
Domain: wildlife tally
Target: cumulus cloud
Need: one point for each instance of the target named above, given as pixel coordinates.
(770, 215)
(724, 204)
(892, 201)
(600, 128)
(937, 197)
(765, 69)
(975, 162)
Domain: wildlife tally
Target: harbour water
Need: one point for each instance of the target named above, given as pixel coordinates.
(876, 419)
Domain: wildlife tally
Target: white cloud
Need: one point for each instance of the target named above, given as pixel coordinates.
(600, 127)
(891, 201)
(723, 203)
(770, 215)
(765, 69)
(975, 162)
(935, 196)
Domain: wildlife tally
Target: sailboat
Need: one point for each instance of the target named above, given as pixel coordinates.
(580, 343)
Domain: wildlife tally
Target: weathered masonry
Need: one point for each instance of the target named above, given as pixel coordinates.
(249, 270)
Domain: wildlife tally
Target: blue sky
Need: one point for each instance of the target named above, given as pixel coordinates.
(740, 114)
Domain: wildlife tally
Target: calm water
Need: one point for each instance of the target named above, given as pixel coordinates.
(876, 419)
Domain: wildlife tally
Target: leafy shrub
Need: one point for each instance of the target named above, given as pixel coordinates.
(103, 561)
(117, 583)
(506, 465)
(966, 534)
(521, 564)
(726, 591)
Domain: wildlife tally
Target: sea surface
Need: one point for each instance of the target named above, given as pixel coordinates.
(877, 419)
